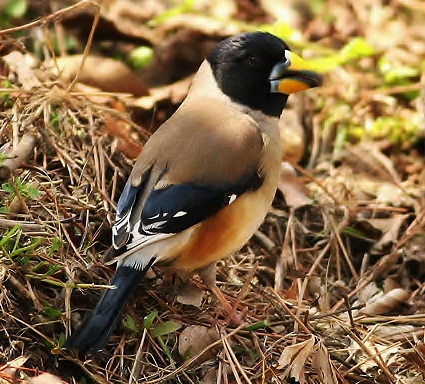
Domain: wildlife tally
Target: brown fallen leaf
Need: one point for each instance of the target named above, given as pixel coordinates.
(210, 377)
(390, 227)
(175, 93)
(383, 303)
(293, 359)
(196, 338)
(190, 294)
(19, 63)
(13, 159)
(104, 73)
(124, 143)
(292, 136)
(323, 366)
(294, 191)
(11, 367)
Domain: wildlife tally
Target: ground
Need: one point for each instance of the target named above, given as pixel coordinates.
(331, 287)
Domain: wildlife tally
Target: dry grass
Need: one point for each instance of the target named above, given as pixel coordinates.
(332, 291)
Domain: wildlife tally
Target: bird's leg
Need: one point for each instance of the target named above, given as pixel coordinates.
(208, 276)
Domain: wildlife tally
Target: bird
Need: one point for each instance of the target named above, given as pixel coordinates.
(206, 178)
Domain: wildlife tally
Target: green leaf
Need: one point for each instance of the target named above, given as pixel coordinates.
(18, 251)
(56, 244)
(52, 270)
(52, 313)
(130, 324)
(7, 237)
(62, 339)
(7, 187)
(356, 48)
(149, 319)
(185, 6)
(396, 73)
(280, 29)
(32, 192)
(165, 328)
(15, 8)
(350, 231)
(140, 57)
(258, 325)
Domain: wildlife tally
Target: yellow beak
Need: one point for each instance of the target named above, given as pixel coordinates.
(292, 74)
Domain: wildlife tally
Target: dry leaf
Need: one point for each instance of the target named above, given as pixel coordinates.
(190, 294)
(124, 143)
(390, 227)
(294, 191)
(294, 357)
(367, 292)
(323, 366)
(292, 136)
(106, 74)
(175, 93)
(384, 303)
(416, 356)
(11, 367)
(196, 338)
(365, 354)
(210, 377)
(18, 63)
(387, 331)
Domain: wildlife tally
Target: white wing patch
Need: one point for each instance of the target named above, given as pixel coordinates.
(232, 198)
(179, 214)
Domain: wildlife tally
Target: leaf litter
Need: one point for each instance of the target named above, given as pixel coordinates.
(331, 288)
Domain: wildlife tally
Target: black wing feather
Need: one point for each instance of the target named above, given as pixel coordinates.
(123, 220)
(177, 207)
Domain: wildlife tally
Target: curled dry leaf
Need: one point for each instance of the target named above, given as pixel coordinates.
(196, 338)
(175, 93)
(19, 63)
(367, 292)
(292, 135)
(371, 352)
(293, 359)
(294, 191)
(106, 74)
(390, 227)
(11, 367)
(384, 303)
(17, 156)
(190, 294)
(124, 143)
(323, 366)
(384, 266)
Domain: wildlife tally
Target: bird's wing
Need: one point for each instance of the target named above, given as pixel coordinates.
(174, 208)
(171, 209)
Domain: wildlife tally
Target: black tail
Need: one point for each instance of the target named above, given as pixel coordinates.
(93, 334)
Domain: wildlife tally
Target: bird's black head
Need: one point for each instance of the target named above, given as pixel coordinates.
(245, 67)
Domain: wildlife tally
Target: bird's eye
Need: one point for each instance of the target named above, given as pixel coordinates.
(255, 61)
